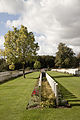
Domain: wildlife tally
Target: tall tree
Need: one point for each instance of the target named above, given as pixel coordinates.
(78, 59)
(78, 56)
(37, 65)
(64, 56)
(46, 61)
(20, 46)
(2, 53)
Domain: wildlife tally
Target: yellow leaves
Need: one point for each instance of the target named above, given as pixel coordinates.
(19, 44)
(0, 51)
(12, 67)
(17, 49)
(8, 50)
(6, 39)
(23, 62)
(17, 40)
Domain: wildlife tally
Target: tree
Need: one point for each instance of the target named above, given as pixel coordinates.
(64, 56)
(78, 59)
(20, 46)
(3, 65)
(37, 65)
(2, 53)
(78, 56)
(46, 61)
(12, 66)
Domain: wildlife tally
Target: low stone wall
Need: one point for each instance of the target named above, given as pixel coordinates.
(5, 76)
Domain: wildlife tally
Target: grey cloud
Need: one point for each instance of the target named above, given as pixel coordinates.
(74, 42)
(70, 33)
(69, 18)
(58, 20)
(12, 6)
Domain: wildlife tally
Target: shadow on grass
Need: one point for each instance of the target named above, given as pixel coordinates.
(74, 102)
(10, 79)
(33, 78)
(61, 76)
(66, 94)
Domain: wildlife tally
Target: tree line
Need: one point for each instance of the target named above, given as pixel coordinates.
(21, 52)
(37, 62)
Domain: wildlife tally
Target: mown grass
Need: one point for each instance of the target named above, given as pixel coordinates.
(69, 85)
(14, 96)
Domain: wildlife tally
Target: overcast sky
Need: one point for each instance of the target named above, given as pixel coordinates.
(52, 21)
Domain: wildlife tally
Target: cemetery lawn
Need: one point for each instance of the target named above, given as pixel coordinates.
(15, 94)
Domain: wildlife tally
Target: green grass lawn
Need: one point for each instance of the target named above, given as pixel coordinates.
(69, 86)
(15, 94)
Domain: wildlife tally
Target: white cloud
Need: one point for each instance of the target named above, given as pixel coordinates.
(12, 6)
(57, 21)
(1, 42)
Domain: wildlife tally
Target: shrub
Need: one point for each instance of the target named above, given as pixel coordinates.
(3, 65)
(35, 99)
(47, 96)
(48, 103)
(12, 67)
(28, 68)
(37, 65)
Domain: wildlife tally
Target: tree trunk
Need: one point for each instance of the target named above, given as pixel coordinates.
(24, 71)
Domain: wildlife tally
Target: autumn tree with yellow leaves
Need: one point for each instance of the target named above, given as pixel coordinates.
(20, 46)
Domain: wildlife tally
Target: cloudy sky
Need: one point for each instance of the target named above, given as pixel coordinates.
(51, 21)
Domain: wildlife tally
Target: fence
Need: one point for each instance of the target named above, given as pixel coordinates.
(54, 86)
(70, 71)
(40, 80)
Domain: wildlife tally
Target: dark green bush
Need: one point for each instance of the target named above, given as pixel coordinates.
(3, 65)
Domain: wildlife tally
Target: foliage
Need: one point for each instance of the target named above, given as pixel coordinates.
(3, 65)
(20, 46)
(35, 99)
(35, 91)
(47, 96)
(64, 56)
(34, 102)
(12, 67)
(78, 56)
(28, 68)
(18, 66)
(48, 104)
(44, 79)
(46, 61)
(37, 65)
(78, 60)
(2, 53)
